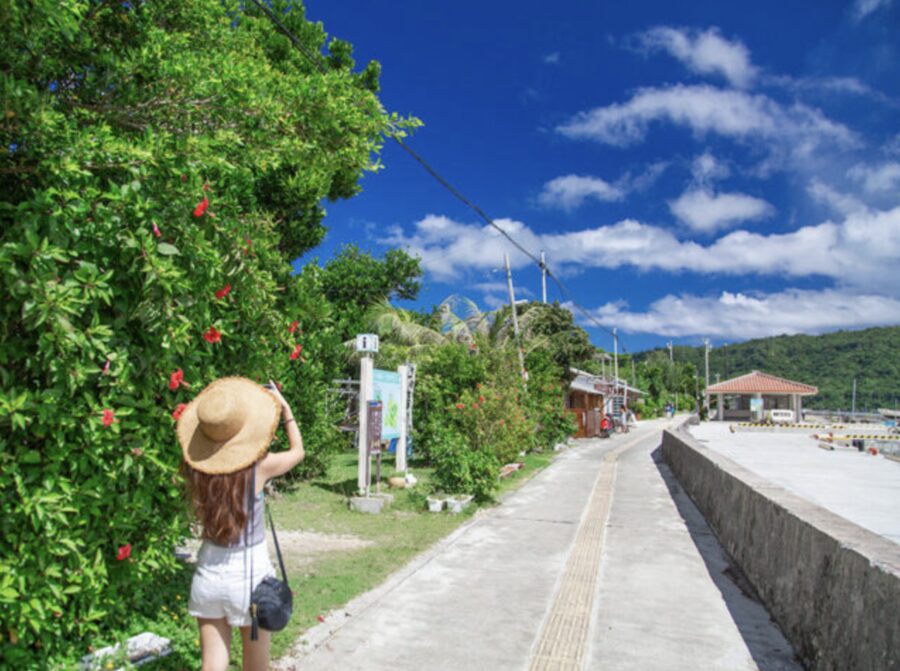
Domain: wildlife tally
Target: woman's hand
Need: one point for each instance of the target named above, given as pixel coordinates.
(273, 389)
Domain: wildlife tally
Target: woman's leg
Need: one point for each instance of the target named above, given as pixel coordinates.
(256, 653)
(215, 640)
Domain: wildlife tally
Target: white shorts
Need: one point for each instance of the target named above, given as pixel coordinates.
(221, 585)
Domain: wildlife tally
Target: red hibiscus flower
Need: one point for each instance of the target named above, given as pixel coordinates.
(296, 353)
(156, 230)
(293, 326)
(176, 379)
(124, 552)
(106, 367)
(206, 186)
(108, 417)
(136, 451)
(481, 399)
(212, 336)
(474, 406)
(460, 406)
(224, 291)
(176, 413)
(183, 178)
(201, 207)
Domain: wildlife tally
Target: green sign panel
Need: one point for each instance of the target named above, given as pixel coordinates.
(386, 385)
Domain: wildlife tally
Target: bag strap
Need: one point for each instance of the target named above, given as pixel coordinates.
(277, 548)
(248, 535)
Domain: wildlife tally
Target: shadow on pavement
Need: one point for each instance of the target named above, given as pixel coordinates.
(766, 642)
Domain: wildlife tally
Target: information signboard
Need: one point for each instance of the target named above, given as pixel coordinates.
(373, 427)
(387, 389)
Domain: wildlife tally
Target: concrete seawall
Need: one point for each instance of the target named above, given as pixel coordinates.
(832, 586)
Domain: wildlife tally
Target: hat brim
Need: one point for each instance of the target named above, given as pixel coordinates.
(250, 444)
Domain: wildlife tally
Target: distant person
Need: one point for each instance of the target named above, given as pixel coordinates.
(605, 426)
(225, 434)
(624, 418)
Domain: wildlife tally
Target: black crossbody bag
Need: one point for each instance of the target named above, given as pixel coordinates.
(272, 601)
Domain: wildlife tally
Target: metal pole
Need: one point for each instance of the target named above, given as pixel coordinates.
(706, 358)
(543, 279)
(615, 362)
(515, 319)
(853, 406)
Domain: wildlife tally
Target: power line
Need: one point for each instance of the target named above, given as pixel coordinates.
(315, 62)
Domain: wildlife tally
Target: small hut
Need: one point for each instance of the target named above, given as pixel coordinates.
(750, 396)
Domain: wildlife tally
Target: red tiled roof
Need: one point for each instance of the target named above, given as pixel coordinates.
(761, 383)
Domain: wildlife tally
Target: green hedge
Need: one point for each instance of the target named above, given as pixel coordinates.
(163, 163)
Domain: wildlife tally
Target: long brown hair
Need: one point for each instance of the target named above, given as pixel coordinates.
(219, 502)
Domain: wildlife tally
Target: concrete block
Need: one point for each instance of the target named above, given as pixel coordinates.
(140, 649)
(372, 504)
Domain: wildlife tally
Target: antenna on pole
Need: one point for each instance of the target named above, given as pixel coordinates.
(543, 279)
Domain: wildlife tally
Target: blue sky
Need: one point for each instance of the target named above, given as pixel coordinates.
(692, 170)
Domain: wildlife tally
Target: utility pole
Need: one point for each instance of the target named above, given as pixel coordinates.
(515, 320)
(543, 279)
(633, 376)
(853, 405)
(706, 360)
(672, 362)
(615, 362)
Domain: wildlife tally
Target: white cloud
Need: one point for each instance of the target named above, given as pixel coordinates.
(710, 110)
(829, 85)
(841, 203)
(862, 8)
(742, 316)
(704, 53)
(552, 59)
(706, 212)
(570, 191)
(878, 178)
(860, 251)
(707, 168)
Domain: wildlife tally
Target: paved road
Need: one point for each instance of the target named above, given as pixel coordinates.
(599, 562)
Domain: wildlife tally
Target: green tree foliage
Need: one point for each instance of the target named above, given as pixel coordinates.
(355, 281)
(828, 361)
(552, 328)
(163, 162)
(472, 412)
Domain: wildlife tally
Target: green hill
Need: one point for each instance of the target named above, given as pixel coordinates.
(829, 361)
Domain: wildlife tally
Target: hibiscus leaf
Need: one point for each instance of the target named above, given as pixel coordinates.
(166, 249)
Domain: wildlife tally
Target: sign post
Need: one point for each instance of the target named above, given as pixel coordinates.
(403, 419)
(367, 344)
(373, 444)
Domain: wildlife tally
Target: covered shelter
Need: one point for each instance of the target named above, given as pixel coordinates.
(750, 396)
(585, 400)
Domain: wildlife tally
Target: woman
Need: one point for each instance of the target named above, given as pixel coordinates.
(225, 434)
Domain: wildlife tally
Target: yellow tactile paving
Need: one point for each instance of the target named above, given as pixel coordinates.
(561, 646)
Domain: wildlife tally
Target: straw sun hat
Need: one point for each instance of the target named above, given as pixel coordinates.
(228, 426)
